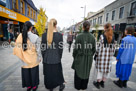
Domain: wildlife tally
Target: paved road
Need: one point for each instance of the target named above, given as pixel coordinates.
(12, 81)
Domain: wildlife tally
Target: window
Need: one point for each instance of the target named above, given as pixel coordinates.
(94, 21)
(28, 11)
(121, 12)
(34, 15)
(15, 4)
(100, 22)
(133, 9)
(91, 22)
(31, 13)
(107, 16)
(22, 7)
(113, 15)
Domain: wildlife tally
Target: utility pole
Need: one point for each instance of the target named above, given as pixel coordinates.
(84, 11)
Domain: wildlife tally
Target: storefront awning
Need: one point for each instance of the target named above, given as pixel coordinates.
(99, 28)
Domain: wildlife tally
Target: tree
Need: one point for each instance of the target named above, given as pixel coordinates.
(80, 29)
(96, 32)
(41, 22)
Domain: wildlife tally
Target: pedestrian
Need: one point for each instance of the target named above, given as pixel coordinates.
(104, 55)
(11, 36)
(52, 49)
(83, 57)
(28, 50)
(125, 58)
(70, 40)
(16, 34)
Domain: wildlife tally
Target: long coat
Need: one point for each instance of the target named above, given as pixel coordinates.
(104, 55)
(84, 50)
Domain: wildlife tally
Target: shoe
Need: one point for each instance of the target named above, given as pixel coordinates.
(35, 88)
(51, 89)
(125, 84)
(62, 87)
(119, 83)
(96, 84)
(29, 89)
(102, 84)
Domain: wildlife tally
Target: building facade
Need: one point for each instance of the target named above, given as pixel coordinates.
(121, 14)
(13, 14)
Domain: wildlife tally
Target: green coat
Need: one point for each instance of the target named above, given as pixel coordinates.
(83, 52)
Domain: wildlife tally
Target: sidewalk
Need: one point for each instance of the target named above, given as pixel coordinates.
(8, 62)
(13, 81)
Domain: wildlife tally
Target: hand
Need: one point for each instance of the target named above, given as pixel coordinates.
(117, 60)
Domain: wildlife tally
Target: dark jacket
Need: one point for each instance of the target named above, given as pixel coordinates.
(52, 54)
(70, 38)
(83, 55)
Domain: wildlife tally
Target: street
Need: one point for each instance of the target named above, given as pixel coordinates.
(10, 74)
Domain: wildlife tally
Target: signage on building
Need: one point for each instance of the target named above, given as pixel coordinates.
(8, 22)
(7, 13)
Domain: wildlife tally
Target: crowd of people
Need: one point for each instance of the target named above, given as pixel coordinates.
(85, 51)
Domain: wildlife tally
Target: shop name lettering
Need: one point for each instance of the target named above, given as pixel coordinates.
(10, 14)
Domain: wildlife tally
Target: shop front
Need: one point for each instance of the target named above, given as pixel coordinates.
(10, 20)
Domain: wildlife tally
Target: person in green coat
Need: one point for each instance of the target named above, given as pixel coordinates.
(85, 47)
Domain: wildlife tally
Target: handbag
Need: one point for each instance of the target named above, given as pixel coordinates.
(95, 56)
(116, 52)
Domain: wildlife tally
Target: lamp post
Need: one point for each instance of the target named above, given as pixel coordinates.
(84, 11)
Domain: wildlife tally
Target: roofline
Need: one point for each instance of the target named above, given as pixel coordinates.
(98, 12)
(33, 4)
(111, 3)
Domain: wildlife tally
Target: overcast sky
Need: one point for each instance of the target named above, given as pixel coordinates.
(64, 11)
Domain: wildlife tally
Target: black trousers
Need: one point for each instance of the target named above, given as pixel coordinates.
(30, 77)
(80, 84)
(70, 43)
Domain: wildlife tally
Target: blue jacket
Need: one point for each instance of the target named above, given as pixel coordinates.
(127, 50)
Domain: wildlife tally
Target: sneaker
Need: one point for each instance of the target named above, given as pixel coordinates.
(51, 89)
(119, 83)
(102, 84)
(96, 84)
(125, 84)
(35, 88)
(29, 89)
(62, 87)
